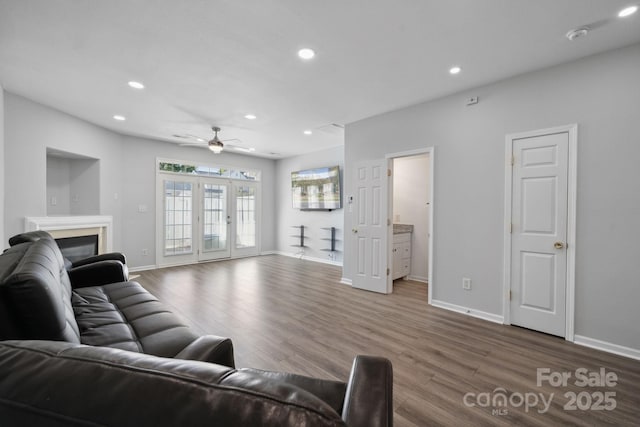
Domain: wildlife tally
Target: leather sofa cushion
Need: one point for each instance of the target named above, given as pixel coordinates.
(125, 316)
(36, 293)
(57, 383)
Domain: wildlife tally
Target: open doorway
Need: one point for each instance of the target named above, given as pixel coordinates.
(410, 211)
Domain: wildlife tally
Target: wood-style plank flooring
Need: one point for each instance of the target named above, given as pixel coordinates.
(293, 315)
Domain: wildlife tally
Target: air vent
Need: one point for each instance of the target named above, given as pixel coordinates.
(332, 129)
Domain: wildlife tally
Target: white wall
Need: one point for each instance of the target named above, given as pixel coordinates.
(600, 94)
(58, 186)
(126, 170)
(30, 129)
(313, 221)
(3, 242)
(411, 206)
(75, 185)
(84, 186)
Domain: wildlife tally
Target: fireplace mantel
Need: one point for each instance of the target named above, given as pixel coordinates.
(59, 226)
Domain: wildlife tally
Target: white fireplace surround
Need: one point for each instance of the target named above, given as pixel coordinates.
(75, 226)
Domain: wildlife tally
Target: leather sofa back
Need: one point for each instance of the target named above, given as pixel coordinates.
(35, 294)
(56, 383)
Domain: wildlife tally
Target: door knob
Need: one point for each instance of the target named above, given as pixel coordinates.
(558, 245)
(355, 230)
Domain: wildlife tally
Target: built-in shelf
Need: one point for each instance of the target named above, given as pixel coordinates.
(299, 236)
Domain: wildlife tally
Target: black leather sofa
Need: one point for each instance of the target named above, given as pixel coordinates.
(49, 376)
(46, 383)
(91, 304)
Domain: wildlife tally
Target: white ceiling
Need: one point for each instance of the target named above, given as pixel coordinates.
(210, 62)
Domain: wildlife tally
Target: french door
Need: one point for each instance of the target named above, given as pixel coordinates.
(202, 219)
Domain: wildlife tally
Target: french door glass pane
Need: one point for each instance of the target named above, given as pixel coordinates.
(215, 217)
(245, 217)
(178, 212)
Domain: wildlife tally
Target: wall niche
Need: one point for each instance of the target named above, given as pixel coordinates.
(73, 184)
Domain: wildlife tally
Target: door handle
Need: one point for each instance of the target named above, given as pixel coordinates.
(558, 245)
(354, 230)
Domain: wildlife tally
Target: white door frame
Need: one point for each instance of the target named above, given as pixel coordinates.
(572, 175)
(390, 156)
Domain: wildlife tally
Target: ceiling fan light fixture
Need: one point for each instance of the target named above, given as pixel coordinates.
(216, 146)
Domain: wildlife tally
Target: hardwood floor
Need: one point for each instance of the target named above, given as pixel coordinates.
(292, 315)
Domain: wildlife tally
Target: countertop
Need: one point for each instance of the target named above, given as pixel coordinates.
(402, 228)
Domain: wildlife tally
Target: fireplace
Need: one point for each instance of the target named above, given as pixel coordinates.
(97, 228)
(79, 247)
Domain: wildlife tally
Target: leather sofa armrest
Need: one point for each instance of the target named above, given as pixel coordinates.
(369, 397)
(329, 391)
(111, 256)
(98, 273)
(209, 348)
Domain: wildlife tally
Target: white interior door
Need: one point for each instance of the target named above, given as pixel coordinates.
(370, 227)
(539, 209)
(214, 219)
(245, 219)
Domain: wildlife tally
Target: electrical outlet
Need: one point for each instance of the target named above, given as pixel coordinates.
(466, 283)
(472, 100)
(145, 252)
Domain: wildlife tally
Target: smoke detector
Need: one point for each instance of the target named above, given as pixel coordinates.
(578, 32)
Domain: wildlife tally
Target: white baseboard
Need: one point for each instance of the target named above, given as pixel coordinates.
(142, 268)
(309, 258)
(418, 279)
(346, 281)
(495, 318)
(269, 253)
(620, 350)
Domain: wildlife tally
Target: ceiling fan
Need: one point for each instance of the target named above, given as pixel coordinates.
(216, 144)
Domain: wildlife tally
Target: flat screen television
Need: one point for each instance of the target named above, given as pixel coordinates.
(316, 189)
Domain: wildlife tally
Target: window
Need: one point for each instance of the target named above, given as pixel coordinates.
(178, 198)
(213, 171)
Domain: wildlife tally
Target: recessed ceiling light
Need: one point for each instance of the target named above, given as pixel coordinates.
(119, 118)
(455, 70)
(136, 85)
(307, 132)
(306, 53)
(628, 11)
(250, 116)
(578, 32)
